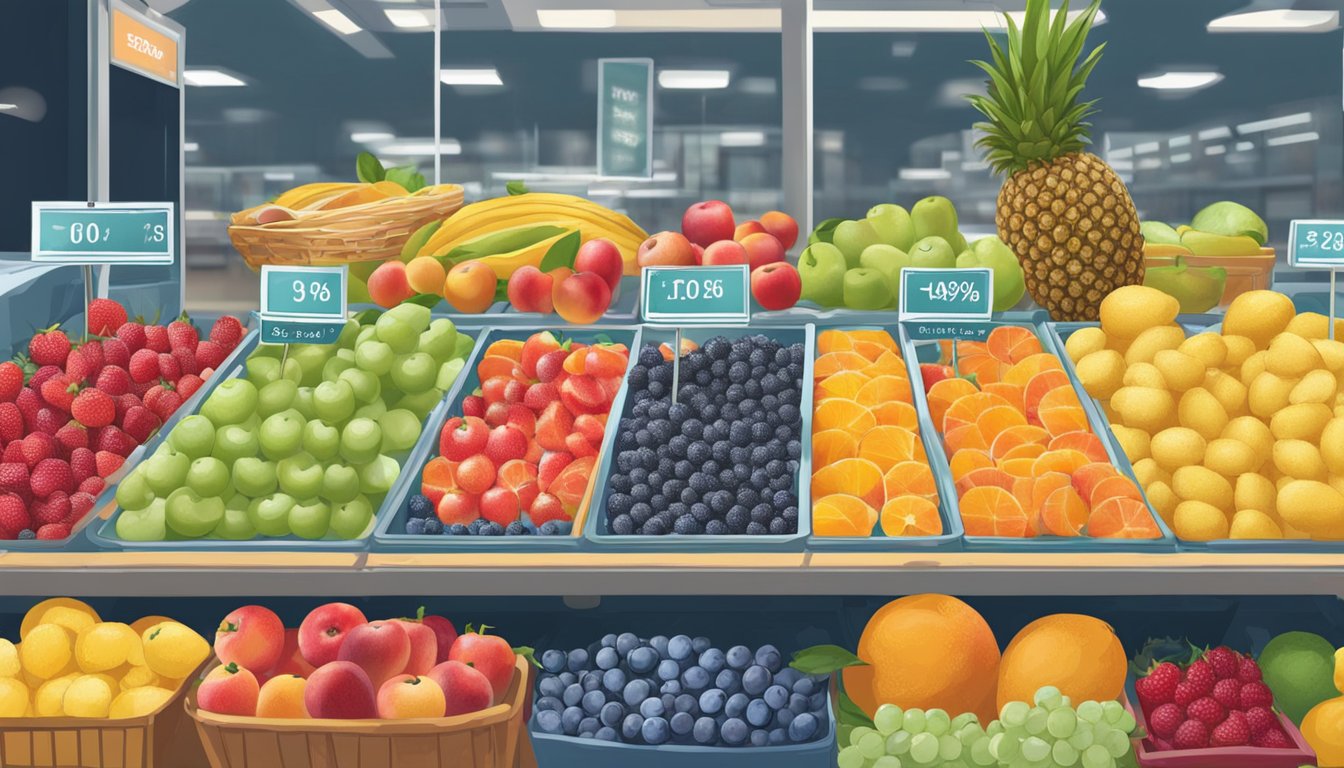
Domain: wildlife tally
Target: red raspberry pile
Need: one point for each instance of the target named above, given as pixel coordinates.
(1218, 700)
(70, 413)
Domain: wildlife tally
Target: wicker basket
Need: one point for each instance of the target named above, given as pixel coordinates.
(162, 739)
(368, 232)
(485, 739)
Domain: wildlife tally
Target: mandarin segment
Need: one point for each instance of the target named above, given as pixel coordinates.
(841, 514)
(1012, 344)
(856, 477)
(832, 445)
(910, 478)
(911, 516)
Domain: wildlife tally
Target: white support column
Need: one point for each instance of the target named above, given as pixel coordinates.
(796, 89)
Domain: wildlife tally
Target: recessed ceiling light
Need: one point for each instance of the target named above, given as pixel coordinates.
(478, 76)
(1279, 20)
(1180, 81)
(577, 18)
(1274, 123)
(1293, 138)
(420, 148)
(1221, 132)
(337, 21)
(694, 79)
(924, 174)
(410, 18)
(742, 138)
(363, 137)
(211, 78)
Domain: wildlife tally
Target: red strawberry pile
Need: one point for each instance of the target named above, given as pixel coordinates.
(1218, 700)
(70, 413)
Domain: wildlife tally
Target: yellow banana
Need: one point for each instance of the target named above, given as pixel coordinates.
(294, 198)
(1164, 250)
(1208, 244)
(493, 213)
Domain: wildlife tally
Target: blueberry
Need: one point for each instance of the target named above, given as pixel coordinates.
(626, 643)
(588, 726)
(605, 734)
(607, 658)
(668, 670)
(613, 680)
(700, 644)
(457, 529)
(573, 695)
(656, 730)
(669, 703)
(778, 737)
(735, 732)
(736, 706)
(578, 660)
(549, 721)
(551, 703)
(695, 678)
(798, 704)
(759, 713)
(659, 644)
(415, 526)
(759, 738)
(433, 527)
(805, 686)
(592, 680)
(670, 686)
(816, 701)
(549, 685)
(420, 506)
(803, 728)
(553, 661)
(739, 657)
(729, 680)
(777, 696)
(681, 723)
(568, 678)
(516, 528)
(787, 677)
(642, 660)
(712, 701)
(593, 701)
(570, 719)
(651, 708)
(631, 726)
(712, 659)
(705, 731)
(636, 691)
(685, 702)
(551, 528)
(611, 713)
(783, 717)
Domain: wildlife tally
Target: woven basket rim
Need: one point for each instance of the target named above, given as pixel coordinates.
(311, 219)
(20, 724)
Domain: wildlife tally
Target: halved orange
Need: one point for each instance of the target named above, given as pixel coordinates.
(1016, 437)
(1064, 512)
(856, 477)
(910, 478)
(838, 413)
(1081, 440)
(834, 362)
(911, 516)
(438, 478)
(512, 348)
(491, 366)
(1066, 461)
(832, 445)
(1041, 384)
(896, 414)
(572, 482)
(967, 409)
(884, 389)
(989, 510)
(1122, 518)
(998, 419)
(888, 446)
(963, 437)
(840, 514)
(1118, 486)
(1023, 370)
(834, 341)
(1087, 477)
(989, 476)
(844, 384)
(1012, 343)
(945, 392)
(967, 460)
(1010, 392)
(887, 362)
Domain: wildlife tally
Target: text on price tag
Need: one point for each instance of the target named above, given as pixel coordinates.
(948, 294)
(1316, 243)
(690, 295)
(303, 292)
(103, 233)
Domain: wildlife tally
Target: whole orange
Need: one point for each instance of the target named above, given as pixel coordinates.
(1079, 655)
(926, 651)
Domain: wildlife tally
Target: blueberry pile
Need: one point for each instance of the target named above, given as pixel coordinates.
(723, 459)
(678, 690)
(421, 521)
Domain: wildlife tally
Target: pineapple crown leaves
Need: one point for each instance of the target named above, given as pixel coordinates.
(1032, 108)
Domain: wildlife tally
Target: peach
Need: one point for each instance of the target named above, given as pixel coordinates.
(488, 654)
(698, 252)
(282, 696)
(666, 249)
(530, 290)
(409, 696)
(762, 248)
(229, 690)
(464, 688)
(703, 223)
(776, 285)
(457, 507)
(444, 632)
(340, 690)
(558, 276)
(725, 252)
(251, 636)
(603, 257)
(582, 298)
(291, 661)
(470, 287)
(388, 286)
(273, 214)
(783, 226)
(752, 227)
(425, 274)
(324, 629)
(380, 648)
(424, 644)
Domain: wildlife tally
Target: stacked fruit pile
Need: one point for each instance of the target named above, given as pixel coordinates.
(1234, 433)
(679, 690)
(519, 459)
(868, 463)
(723, 458)
(339, 665)
(304, 444)
(1218, 700)
(71, 663)
(1021, 451)
(71, 413)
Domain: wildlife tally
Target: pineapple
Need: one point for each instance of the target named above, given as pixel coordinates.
(1063, 211)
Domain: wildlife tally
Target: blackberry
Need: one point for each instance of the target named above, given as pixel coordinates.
(737, 519)
(659, 501)
(739, 434)
(644, 438)
(655, 527)
(717, 348)
(678, 445)
(658, 410)
(775, 468)
(650, 356)
(689, 495)
(474, 527)
(433, 527)
(658, 389)
(781, 483)
(620, 483)
(760, 431)
(420, 506)
(492, 529)
(740, 455)
(778, 526)
(457, 529)
(516, 528)
(678, 510)
(638, 493)
(790, 516)
(415, 526)
(550, 528)
(748, 497)
(639, 377)
(701, 513)
(721, 502)
(618, 504)
(637, 476)
(678, 412)
(782, 500)
(640, 513)
(762, 513)
(756, 529)
(686, 526)
(693, 429)
(716, 528)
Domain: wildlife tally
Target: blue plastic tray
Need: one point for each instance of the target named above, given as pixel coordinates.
(938, 458)
(595, 528)
(390, 534)
(928, 436)
(624, 310)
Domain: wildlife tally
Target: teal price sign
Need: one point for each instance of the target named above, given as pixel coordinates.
(625, 118)
(314, 293)
(300, 331)
(1316, 243)
(946, 294)
(103, 233)
(696, 295)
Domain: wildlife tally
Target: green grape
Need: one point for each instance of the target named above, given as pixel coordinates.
(887, 761)
(994, 728)
(924, 748)
(1065, 701)
(898, 743)
(1048, 696)
(949, 747)
(1096, 756)
(1116, 743)
(1113, 711)
(888, 719)
(1061, 723)
(1083, 737)
(937, 722)
(1126, 723)
(1036, 720)
(961, 720)
(1014, 713)
(858, 733)
(850, 757)
(1090, 711)
(1004, 747)
(969, 732)
(872, 745)
(914, 721)
(1035, 749)
(1100, 731)
(1063, 754)
(981, 755)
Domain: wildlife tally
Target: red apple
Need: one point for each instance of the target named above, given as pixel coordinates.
(340, 690)
(703, 223)
(603, 257)
(698, 251)
(666, 249)
(323, 630)
(291, 661)
(782, 226)
(762, 249)
(444, 632)
(457, 507)
(229, 690)
(380, 648)
(489, 654)
(582, 298)
(776, 286)
(725, 252)
(465, 689)
(424, 644)
(251, 636)
(752, 227)
(529, 290)
(462, 437)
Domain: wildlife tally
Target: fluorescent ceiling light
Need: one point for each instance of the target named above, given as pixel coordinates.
(1180, 81)
(742, 138)
(1122, 153)
(1279, 20)
(1216, 149)
(924, 174)
(1149, 164)
(278, 176)
(694, 79)
(1273, 123)
(364, 137)
(420, 148)
(410, 18)
(478, 76)
(8, 106)
(921, 21)
(1146, 148)
(190, 146)
(1181, 157)
(337, 21)
(1179, 141)
(1245, 146)
(211, 78)
(578, 18)
(1292, 138)
(1221, 132)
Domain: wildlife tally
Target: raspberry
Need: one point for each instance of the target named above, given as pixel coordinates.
(188, 385)
(140, 423)
(105, 317)
(1186, 694)
(107, 462)
(182, 334)
(115, 352)
(156, 338)
(91, 486)
(1228, 692)
(133, 336)
(1232, 732)
(1192, 734)
(1165, 720)
(94, 408)
(169, 368)
(14, 477)
(113, 380)
(49, 476)
(1248, 671)
(72, 436)
(1159, 686)
(11, 422)
(53, 509)
(13, 516)
(11, 381)
(1200, 675)
(144, 365)
(116, 441)
(1260, 719)
(54, 531)
(1274, 738)
(1206, 710)
(50, 347)
(1256, 694)
(13, 454)
(210, 355)
(1224, 661)
(227, 332)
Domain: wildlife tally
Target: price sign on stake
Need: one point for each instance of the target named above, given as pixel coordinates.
(946, 294)
(103, 233)
(1318, 243)
(717, 295)
(302, 305)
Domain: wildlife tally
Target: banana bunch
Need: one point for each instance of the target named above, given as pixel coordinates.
(473, 223)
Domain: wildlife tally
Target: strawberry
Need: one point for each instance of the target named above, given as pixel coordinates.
(50, 347)
(1228, 692)
(1192, 734)
(209, 354)
(14, 474)
(78, 367)
(42, 376)
(49, 421)
(166, 404)
(1260, 719)
(13, 516)
(38, 447)
(1165, 720)
(1224, 661)
(80, 504)
(72, 436)
(931, 374)
(13, 453)
(140, 423)
(227, 332)
(1232, 732)
(49, 476)
(115, 352)
(473, 405)
(551, 365)
(59, 391)
(1200, 674)
(29, 403)
(105, 317)
(116, 441)
(144, 365)
(1256, 694)
(1159, 685)
(182, 334)
(186, 362)
(1274, 738)
(156, 338)
(54, 532)
(1248, 671)
(113, 380)
(540, 395)
(133, 336)
(153, 394)
(11, 381)
(140, 388)
(188, 384)
(11, 422)
(53, 509)
(107, 462)
(92, 486)
(93, 353)
(169, 368)
(93, 408)
(82, 465)
(1207, 710)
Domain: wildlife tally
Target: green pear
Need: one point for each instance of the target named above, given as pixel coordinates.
(893, 225)
(933, 252)
(148, 524)
(822, 269)
(851, 237)
(1159, 233)
(889, 260)
(935, 216)
(867, 289)
(991, 252)
(191, 515)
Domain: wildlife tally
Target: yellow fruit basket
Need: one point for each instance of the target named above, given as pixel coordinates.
(365, 231)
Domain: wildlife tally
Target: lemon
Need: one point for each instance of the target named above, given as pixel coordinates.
(1179, 370)
(173, 649)
(1200, 410)
(1336, 482)
(1146, 408)
(1197, 521)
(1331, 352)
(1303, 421)
(1164, 500)
(1254, 491)
(1147, 471)
(1318, 386)
(46, 612)
(1238, 349)
(1178, 447)
(49, 701)
(1299, 460)
(1252, 432)
(1229, 457)
(1207, 347)
(1229, 390)
(104, 646)
(1134, 442)
(137, 677)
(1314, 325)
(88, 696)
(1259, 316)
(1269, 393)
(1127, 311)
(1254, 366)
(1313, 507)
(1291, 356)
(1199, 483)
(1332, 445)
(1253, 524)
(9, 659)
(1146, 346)
(13, 698)
(1143, 375)
(1102, 372)
(1084, 342)
(47, 650)
(138, 702)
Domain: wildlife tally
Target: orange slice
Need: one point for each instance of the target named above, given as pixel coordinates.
(967, 460)
(887, 363)
(1043, 486)
(1016, 437)
(1087, 477)
(963, 437)
(964, 347)
(1022, 490)
(1065, 461)
(834, 362)
(884, 389)
(911, 516)
(967, 409)
(856, 477)
(1121, 518)
(986, 368)
(1117, 487)
(511, 348)
(989, 510)
(832, 445)
(1064, 419)
(840, 514)
(1010, 392)
(838, 413)
(496, 365)
(1064, 512)
(1024, 451)
(994, 421)
(990, 476)
(834, 341)
(438, 478)
(570, 485)
(888, 446)
(881, 338)
(1083, 441)
(896, 414)
(845, 384)
(910, 478)
(943, 393)
(1041, 384)
(1023, 467)
(1023, 370)
(1012, 343)
(869, 349)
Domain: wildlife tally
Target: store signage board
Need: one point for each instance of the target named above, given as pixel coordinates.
(1316, 243)
(717, 295)
(946, 294)
(625, 118)
(302, 305)
(300, 331)
(103, 233)
(140, 45)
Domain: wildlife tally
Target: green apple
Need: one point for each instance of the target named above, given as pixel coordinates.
(851, 237)
(321, 439)
(134, 492)
(377, 476)
(421, 403)
(933, 252)
(893, 225)
(208, 476)
(310, 519)
(264, 370)
(346, 341)
(937, 217)
(414, 315)
(396, 333)
(303, 403)
(231, 402)
(465, 344)
(448, 373)
(339, 483)
(822, 270)
(192, 515)
(270, 514)
(235, 525)
(366, 334)
(439, 340)
(148, 524)
(374, 410)
(166, 470)
(281, 434)
(867, 289)
(312, 359)
(253, 476)
(401, 428)
(233, 442)
(194, 436)
(336, 364)
(1009, 284)
(300, 476)
(889, 260)
(360, 440)
(375, 357)
(350, 519)
(414, 373)
(365, 385)
(276, 397)
(334, 401)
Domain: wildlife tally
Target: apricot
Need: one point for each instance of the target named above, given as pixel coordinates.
(282, 696)
(582, 298)
(746, 228)
(666, 249)
(388, 285)
(530, 290)
(762, 248)
(407, 696)
(425, 274)
(783, 226)
(470, 287)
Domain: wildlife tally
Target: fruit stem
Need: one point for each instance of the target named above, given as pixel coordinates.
(232, 668)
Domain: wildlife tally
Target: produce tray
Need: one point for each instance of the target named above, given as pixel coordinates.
(595, 529)
(624, 310)
(939, 460)
(1060, 332)
(953, 531)
(392, 517)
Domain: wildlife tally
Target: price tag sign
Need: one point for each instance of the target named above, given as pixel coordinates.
(103, 233)
(302, 305)
(697, 295)
(1316, 243)
(946, 294)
